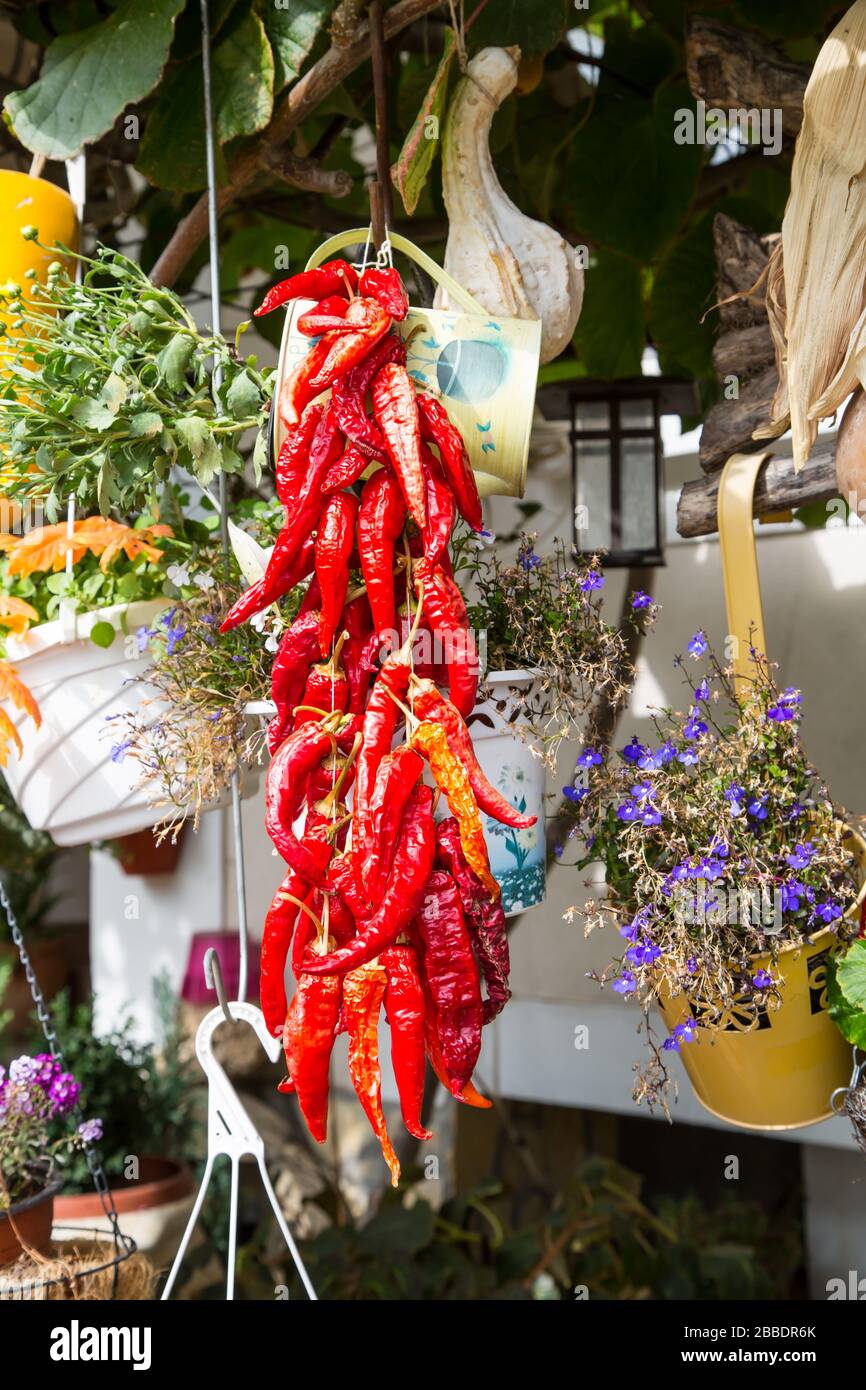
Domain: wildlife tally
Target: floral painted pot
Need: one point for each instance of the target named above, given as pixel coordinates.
(773, 1068)
(517, 857)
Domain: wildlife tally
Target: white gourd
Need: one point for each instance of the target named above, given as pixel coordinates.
(514, 266)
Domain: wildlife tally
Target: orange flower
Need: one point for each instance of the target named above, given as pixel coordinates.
(13, 688)
(15, 614)
(46, 547)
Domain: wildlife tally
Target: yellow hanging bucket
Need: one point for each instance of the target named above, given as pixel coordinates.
(772, 1068)
(484, 368)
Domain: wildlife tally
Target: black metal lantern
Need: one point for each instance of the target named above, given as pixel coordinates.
(617, 470)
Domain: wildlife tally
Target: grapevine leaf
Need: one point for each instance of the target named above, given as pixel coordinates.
(409, 173)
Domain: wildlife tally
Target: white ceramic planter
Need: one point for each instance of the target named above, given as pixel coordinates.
(66, 781)
(517, 857)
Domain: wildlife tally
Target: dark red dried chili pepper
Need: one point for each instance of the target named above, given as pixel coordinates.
(308, 1040)
(397, 416)
(346, 470)
(452, 975)
(356, 620)
(387, 288)
(436, 428)
(335, 540)
(404, 1009)
(365, 323)
(326, 690)
(297, 390)
(298, 648)
(413, 861)
(380, 721)
(287, 774)
(343, 879)
(398, 774)
(485, 919)
(440, 511)
(459, 652)
(363, 992)
(336, 277)
(429, 703)
(252, 601)
(467, 1094)
(328, 314)
(292, 461)
(381, 518)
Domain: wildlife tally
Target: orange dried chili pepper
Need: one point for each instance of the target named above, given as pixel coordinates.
(452, 778)
(363, 992)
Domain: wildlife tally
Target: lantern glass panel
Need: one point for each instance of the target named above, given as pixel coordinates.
(637, 415)
(592, 504)
(593, 415)
(638, 475)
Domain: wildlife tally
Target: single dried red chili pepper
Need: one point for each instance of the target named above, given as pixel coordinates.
(292, 460)
(404, 1009)
(485, 920)
(346, 470)
(328, 314)
(343, 879)
(365, 323)
(349, 393)
(381, 518)
(251, 600)
(325, 449)
(297, 390)
(467, 1094)
(436, 428)
(327, 689)
(294, 760)
(363, 992)
(298, 648)
(413, 860)
(440, 511)
(458, 652)
(397, 416)
(452, 975)
(277, 933)
(335, 539)
(430, 703)
(380, 722)
(308, 1041)
(451, 777)
(335, 277)
(358, 662)
(387, 288)
(398, 774)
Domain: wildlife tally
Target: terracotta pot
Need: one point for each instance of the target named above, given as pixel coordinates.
(140, 854)
(33, 1219)
(153, 1211)
(51, 967)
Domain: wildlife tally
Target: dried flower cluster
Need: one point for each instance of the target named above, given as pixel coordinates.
(543, 614)
(719, 843)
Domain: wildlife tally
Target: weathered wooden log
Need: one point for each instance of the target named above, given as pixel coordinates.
(730, 424)
(743, 354)
(731, 68)
(778, 489)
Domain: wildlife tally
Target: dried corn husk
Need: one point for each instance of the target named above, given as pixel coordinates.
(817, 287)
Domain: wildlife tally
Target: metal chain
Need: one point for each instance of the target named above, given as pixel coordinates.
(91, 1157)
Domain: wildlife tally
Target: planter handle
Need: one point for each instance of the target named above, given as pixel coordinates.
(408, 248)
(740, 559)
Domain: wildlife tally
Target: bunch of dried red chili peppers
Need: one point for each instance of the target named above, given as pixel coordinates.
(381, 906)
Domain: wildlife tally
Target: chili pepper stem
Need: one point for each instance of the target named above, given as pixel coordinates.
(290, 898)
(334, 794)
(409, 716)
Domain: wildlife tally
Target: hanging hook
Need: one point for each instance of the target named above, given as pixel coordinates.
(213, 978)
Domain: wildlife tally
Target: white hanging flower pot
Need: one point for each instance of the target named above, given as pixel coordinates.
(517, 857)
(72, 778)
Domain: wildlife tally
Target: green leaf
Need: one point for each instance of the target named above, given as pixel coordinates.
(146, 424)
(172, 150)
(114, 392)
(174, 360)
(93, 414)
(292, 31)
(103, 634)
(848, 1016)
(194, 432)
(628, 186)
(409, 173)
(88, 78)
(683, 289)
(851, 974)
(610, 334)
(243, 397)
(535, 25)
(209, 461)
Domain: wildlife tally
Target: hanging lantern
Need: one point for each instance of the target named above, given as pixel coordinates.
(617, 470)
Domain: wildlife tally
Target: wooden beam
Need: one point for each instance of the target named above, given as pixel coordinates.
(730, 424)
(778, 489)
(730, 67)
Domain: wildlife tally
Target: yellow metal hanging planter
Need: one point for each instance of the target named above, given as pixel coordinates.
(771, 1068)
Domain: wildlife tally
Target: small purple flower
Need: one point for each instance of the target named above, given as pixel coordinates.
(90, 1131)
(692, 964)
(633, 751)
(631, 930)
(643, 953)
(590, 757)
(575, 794)
(63, 1093)
(642, 791)
(827, 912)
(628, 812)
(790, 894)
(698, 646)
(529, 560)
(757, 809)
(118, 752)
(142, 637)
(694, 726)
(688, 757)
(640, 599)
(671, 1043)
(593, 579)
(801, 856)
(762, 979)
(650, 815)
(703, 691)
(624, 983)
(174, 636)
(735, 797)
